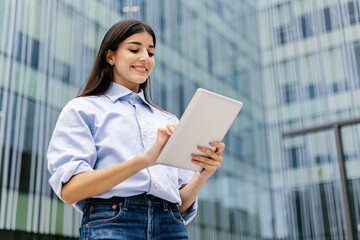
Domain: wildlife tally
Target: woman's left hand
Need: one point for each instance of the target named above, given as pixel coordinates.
(212, 161)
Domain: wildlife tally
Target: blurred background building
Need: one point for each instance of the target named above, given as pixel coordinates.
(294, 63)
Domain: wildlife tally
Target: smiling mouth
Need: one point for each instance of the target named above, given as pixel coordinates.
(140, 69)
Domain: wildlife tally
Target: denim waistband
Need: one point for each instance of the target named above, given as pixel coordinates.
(142, 199)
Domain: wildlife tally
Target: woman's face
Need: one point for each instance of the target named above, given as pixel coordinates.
(133, 60)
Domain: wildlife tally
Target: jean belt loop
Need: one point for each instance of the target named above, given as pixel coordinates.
(166, 205)
(126, 203)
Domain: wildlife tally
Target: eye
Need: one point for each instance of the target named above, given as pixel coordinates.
(151, 54)
(134, 51)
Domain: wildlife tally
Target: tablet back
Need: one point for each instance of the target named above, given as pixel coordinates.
(207, 118)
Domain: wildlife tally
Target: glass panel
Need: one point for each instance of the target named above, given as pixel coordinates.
(351, 142)
(311, 191)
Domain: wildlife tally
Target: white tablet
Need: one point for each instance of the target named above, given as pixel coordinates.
(207, 118)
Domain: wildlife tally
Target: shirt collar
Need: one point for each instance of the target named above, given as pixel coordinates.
(117, 91)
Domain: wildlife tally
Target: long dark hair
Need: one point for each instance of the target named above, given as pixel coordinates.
(101, 74)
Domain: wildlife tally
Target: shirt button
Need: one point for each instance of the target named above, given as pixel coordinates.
(144, 134)
(133, 98)
(156, 186)
(138, 113)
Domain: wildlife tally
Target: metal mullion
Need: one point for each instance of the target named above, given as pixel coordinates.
(21, 112)
(38, 210)
(33, 209)
(42, 181)
(13, 122)
(5, 111)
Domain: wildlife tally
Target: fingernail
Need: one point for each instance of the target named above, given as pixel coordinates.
(212, 144)
(200, 147)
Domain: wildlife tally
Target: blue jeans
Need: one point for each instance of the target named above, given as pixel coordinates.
(137, 217)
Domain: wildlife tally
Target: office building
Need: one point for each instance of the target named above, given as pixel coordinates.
(293, 63)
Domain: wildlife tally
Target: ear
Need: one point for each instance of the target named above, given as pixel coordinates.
(109, 56)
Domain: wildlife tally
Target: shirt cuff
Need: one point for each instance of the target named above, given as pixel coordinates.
(65, 172)
(190, 214)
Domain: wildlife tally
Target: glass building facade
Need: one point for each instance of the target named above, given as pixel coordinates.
(310, 62)
(294, 64)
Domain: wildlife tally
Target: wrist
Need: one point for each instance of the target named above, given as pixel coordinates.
(202, 177)
(143, 160)
(153, 153)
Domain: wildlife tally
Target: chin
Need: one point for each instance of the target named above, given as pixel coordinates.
(140, 81)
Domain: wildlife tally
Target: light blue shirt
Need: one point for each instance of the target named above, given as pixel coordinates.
(96, 132)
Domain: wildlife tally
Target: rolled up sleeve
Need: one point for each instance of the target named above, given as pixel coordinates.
(71, 149)
(184, 178)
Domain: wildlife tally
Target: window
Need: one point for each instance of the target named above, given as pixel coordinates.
(335, 88)
(307, 26)
(357, 57)
(237, 147)
(311, 91)
(23, 43)
(351, 10)
(61, 70)
(210, 57)
(327, 19)
(293, 156)
(289, 94)
(280, 34)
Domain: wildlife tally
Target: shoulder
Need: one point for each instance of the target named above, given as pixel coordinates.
(171, 118)
(81, 108)
(80, 104)
(79, 112)
(83, 101)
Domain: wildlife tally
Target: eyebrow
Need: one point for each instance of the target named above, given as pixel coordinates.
(140, 44)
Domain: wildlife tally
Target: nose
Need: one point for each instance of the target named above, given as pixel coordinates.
(144, 56)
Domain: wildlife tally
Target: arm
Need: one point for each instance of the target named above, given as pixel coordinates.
(89, 184)
(209, 164)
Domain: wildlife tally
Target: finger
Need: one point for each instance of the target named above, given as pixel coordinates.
(170, 127)
(201, 164)
(164, 131)
(220, 146)
(209, 152)
(207, 164)
(204, 166)
(206, 160)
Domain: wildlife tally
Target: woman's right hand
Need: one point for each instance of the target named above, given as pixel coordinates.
(163, 135)
(93, 183)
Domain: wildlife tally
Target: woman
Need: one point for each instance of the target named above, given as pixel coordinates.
(102, 155)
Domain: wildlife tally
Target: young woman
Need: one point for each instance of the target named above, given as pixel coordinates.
(102, 155)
